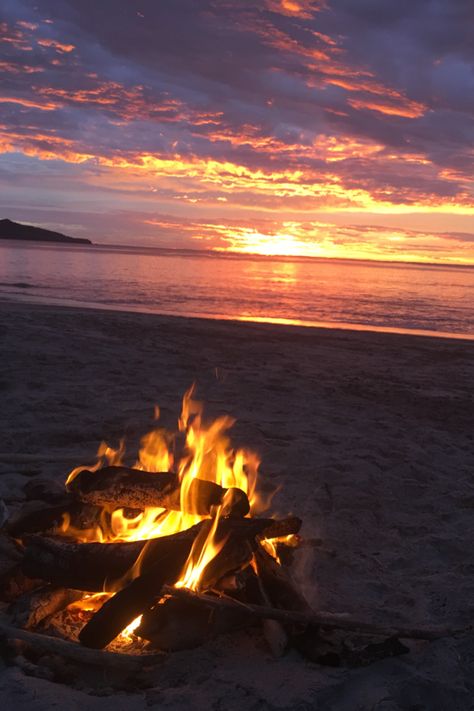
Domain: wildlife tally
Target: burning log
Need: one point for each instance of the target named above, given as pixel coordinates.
(33, 607)
(234, 556)
(95, 566)
(132, 488)
(164, 567)
(36, 517)
(278, 583)
(134, 599)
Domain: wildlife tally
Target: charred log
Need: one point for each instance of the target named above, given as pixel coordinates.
(234, 556)
(37, 517)
(278, 583)
(135, 598)
(96, 566)
(163, 565)
(132, 488)
(34, 607)
(92, 567)
(183, 624)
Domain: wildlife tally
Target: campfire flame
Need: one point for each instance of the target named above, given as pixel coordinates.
(199, 450)
(206, 453)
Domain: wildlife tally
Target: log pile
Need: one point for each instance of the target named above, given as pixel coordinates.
(42, 572)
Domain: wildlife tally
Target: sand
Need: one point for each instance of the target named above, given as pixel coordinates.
(369, 437)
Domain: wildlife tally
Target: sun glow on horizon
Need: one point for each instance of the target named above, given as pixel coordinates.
(276, 245)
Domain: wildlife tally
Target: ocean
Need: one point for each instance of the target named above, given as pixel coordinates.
(425, 299)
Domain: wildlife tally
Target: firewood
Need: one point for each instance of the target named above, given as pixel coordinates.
(179, 624)
(273, 630)
(36, 517)
(35, 606)
(176, 624)
(163, 565)
(96, 566)
(77, 653)
(134, 599)
(234, 556)
(92, 567)
(328, 620)
(121, 486)
(278, 583)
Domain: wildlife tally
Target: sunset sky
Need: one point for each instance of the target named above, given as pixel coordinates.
(338, 128)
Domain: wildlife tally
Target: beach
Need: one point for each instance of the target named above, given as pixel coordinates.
(368, 437)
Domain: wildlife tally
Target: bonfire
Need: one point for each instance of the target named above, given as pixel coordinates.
(132, 561)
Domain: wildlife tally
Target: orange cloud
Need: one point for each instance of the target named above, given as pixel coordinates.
(410, 109)
(19, 68)
(58, 46)
(304, 9)
(29, 103)
(14, 37)
(323, 239)
(27, 25)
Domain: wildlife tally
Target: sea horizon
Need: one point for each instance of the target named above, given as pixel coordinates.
(229, 253)
(311, 292)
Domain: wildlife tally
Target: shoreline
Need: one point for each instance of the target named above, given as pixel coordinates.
(313, 325)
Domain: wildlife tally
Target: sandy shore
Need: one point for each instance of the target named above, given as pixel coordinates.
(370, 437)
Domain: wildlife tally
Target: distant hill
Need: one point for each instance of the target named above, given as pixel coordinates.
(15, 230)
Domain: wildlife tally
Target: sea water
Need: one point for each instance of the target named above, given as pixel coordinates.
(387, 296)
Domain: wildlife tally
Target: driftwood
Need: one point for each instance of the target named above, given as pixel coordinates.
(134, 599)
(92, 567)
(183, 624)
(327, 620)
(77, 653)
(34, 607)
(37, 517)
(121, 486)
(234, 556)
(273, 630)
(163, 568)
(278, 583)
(95, 566)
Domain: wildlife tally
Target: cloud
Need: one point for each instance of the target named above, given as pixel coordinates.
(291, 106)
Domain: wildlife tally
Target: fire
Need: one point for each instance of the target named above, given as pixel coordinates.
(198, 450)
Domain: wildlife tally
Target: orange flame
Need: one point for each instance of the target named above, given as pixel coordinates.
(199, 450)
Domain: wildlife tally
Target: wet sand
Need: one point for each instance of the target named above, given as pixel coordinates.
(369, 437)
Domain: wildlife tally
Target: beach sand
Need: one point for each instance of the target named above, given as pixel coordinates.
(369, 437)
